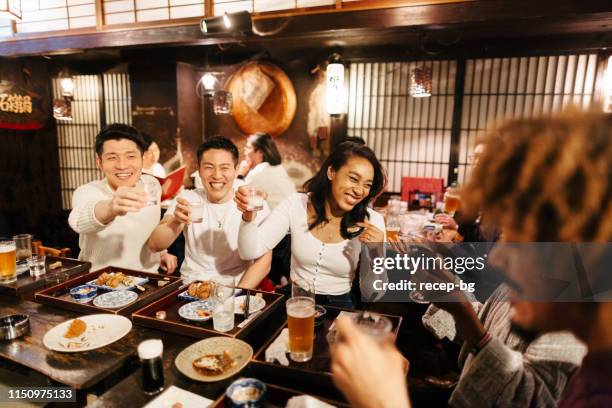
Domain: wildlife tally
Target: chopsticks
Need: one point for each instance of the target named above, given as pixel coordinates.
(247, 304)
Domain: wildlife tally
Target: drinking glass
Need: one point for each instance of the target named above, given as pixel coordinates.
(223, 309)
(152, 189)
(197, 209)
(8, 270)
(36, 263)
(150, 355)
(222, 103)
(23, 247)
(451, 201)
(373, 324)
(300, 319)
(256, 200)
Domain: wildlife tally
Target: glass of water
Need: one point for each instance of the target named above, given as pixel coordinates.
(23, 245)
(223, 309)
(36, 263)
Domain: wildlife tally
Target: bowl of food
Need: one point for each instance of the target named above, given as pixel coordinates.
(246, 393)
(83, 293)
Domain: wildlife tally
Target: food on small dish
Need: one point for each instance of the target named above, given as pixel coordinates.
(202, 290)
(246, 392)
(76, 329)
(202, 313)
(83, 293)
(213, 364)
(113, 279)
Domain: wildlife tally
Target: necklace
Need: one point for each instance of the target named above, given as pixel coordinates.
(218, 221)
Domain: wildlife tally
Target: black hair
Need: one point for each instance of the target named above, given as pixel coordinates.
(221, 143)
(354, 139)
(148, 140)
(319, 186)
(265, 144)
(118, 131)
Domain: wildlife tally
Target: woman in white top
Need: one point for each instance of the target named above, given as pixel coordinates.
(328, 225)
(262, 169)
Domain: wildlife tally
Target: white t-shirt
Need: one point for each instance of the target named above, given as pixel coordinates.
(122, 242)
(211, 246)
(331, 267)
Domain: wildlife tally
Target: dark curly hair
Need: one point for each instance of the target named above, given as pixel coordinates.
(547, 179)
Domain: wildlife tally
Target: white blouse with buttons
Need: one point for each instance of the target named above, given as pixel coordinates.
(331, 267)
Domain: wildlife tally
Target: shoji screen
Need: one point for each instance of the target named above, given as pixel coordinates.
(410, 136)
(501, 88)
(76, 138)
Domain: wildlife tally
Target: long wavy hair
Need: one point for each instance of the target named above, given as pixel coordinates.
(319, 186)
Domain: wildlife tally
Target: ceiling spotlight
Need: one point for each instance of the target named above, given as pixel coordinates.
(228, 22)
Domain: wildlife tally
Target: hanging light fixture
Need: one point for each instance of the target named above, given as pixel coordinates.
(67, 85)
(208, 81)
(10, 9)
(420, 82)
(335, 91)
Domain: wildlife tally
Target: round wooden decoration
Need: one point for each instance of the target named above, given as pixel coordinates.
(276, 113)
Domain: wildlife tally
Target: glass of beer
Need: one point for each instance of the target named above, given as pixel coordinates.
(300, 319)
(8, 262)
(150, 355)
(452, 200)
(23, 248)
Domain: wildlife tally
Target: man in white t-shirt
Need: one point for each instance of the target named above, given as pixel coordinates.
(111, 215)
(211, 246)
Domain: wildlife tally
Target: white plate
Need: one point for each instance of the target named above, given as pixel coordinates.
(137, 281)
(175, 394)
(256, 303)
(240, 352)
(102, 330)
(189, 311)
(115, 299)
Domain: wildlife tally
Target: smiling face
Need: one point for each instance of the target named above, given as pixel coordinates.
(351, 183)
(218, 171)
(121, 162)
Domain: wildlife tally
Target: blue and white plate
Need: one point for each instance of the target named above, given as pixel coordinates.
(136, 280)
(190, 311)
(115, 299)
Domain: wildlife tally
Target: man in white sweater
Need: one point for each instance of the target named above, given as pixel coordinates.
(111, 215)
(211, 243)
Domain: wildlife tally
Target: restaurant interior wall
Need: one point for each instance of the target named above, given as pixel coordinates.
(29, 168)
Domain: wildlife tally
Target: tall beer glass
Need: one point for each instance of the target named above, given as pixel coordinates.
(451, 201)
(8, 262)
(300, 319)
